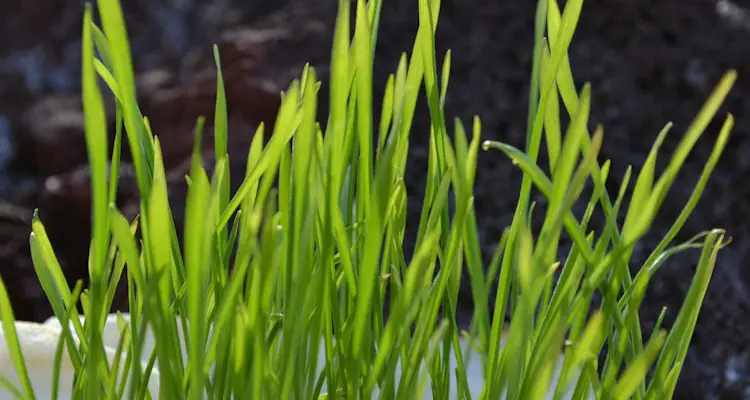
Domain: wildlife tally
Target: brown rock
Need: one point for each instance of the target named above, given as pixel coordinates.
(55, 135)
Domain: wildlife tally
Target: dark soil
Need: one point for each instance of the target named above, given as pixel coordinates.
(649, 62)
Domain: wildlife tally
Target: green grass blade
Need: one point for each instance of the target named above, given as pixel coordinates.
(14, 346)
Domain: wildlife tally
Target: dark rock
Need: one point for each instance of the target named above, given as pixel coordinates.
(154, 80)
(54, 137)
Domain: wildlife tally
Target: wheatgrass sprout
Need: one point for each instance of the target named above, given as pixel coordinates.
(279, 289)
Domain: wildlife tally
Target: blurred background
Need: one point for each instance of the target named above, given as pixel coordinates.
(649, 62)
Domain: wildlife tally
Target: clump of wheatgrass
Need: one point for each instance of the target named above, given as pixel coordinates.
(278, 290)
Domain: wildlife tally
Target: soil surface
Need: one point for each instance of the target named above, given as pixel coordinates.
(649, 62)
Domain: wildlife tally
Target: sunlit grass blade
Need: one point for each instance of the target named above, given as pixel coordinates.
(677, 342)
(636, 372)
(687, 143)
(13, 345)
(197, 263)
(286, 124)
(644, 184)
(97, 149)
(52, 280)
(692, 202)
(221, 133)
(552, 130)
(113, 23)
